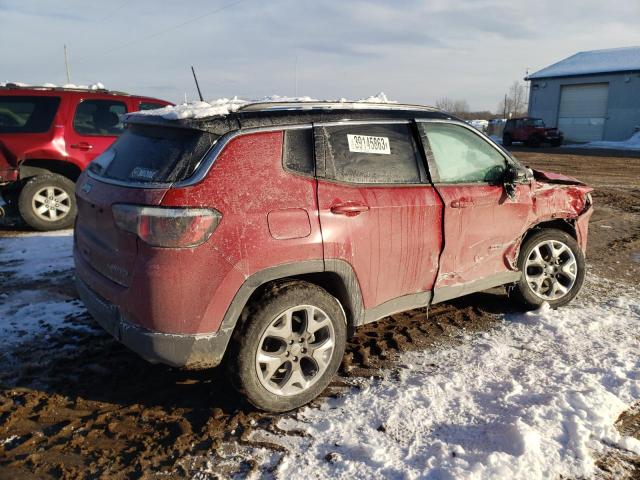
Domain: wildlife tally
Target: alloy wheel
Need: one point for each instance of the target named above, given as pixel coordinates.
(551, 269)
(51, 203)
(295, 350)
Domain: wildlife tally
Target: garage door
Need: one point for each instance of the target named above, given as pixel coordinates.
(583, 109)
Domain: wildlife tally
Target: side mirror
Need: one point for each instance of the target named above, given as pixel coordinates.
(513, 176)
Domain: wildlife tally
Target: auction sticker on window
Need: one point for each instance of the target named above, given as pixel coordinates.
(368, 144)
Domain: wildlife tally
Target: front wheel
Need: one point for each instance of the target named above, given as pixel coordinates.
(553, 269)
(47, 202)
(289, 347)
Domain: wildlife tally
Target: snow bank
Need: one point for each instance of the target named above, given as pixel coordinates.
(225, 106)
(632, 143)
(535, 398)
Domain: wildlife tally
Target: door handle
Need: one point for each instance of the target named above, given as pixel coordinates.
(349, 209)
(84, 146)
(462, 203)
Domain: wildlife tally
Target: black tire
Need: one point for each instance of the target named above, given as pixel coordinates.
(507, 140)
(523, 293)
(241, 360)
(60, 214)
(556, 143)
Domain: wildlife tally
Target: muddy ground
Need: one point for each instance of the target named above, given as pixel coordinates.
(82, 406)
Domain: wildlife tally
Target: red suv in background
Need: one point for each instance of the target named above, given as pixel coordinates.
(531, 131)
(265, 236)
(47, 137)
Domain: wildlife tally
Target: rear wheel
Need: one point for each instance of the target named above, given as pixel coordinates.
(290, 346)
(47, 202)
(507, 140)
(553, 269)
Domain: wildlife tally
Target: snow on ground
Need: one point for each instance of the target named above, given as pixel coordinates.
(29, 307)
(632, 143)
(225, 106)
(535, 398)
(36, 254)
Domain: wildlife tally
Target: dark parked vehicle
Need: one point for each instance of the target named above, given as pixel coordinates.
(531, 131)
(47, 137)
(264, 237)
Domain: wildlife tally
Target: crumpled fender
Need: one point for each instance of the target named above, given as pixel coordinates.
(550, 177)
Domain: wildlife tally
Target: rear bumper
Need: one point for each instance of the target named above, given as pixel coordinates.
(176, 350)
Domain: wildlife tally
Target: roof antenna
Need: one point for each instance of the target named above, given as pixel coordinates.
(197, 86)
(66, 64)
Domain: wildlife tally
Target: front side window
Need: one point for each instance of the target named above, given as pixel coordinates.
(535, 122)
(27, 114)
(150, 106)
(462, 156)
(99, 117)
(370, 154)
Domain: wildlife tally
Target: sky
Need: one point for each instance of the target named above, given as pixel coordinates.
(414, 51)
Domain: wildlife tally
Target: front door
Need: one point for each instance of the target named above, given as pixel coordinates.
(481, 224)
(378, 213)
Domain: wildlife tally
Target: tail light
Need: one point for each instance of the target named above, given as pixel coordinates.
(167, 227)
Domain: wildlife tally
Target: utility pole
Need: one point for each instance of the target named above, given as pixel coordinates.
(66, 64)
(295, 76)
(504, 114)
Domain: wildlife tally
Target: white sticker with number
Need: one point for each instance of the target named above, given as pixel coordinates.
(368, 144)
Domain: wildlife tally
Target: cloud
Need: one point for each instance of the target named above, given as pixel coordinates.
(416, 51)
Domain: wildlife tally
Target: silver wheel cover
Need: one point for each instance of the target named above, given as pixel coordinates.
(51, 204)
(295, 350)
(551, 270)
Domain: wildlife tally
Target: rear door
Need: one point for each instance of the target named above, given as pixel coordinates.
(481, 224)
(94, 125)
(378, 212)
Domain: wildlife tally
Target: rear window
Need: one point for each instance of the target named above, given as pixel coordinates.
(153, 154)
(27, 114)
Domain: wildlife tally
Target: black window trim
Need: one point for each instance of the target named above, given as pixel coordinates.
(82, 100)
(313, 153)
(433, 170)
(422, 169)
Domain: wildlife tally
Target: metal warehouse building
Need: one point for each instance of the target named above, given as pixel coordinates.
(591, 95)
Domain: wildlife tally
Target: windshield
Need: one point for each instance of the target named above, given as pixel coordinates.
(27, 114)
(152, 154)
(535, 122)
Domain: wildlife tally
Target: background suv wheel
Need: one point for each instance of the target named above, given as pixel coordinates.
(47, 202)
(506, 140)
(552, 267)
(290, 347)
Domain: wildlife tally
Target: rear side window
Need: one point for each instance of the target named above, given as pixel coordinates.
(99, 117)
(150, 105)
(297, 153)
(371, 154)
(153, 154)
(462, 156)
(27, 114)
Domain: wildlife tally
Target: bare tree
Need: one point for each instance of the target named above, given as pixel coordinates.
(515, 101)
(457, 107)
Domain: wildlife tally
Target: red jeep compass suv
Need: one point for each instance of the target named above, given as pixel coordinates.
(47, 137)
(264, 236)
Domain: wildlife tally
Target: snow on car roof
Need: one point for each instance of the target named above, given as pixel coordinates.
(225, 106)
(594, 61)
(71, 86)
